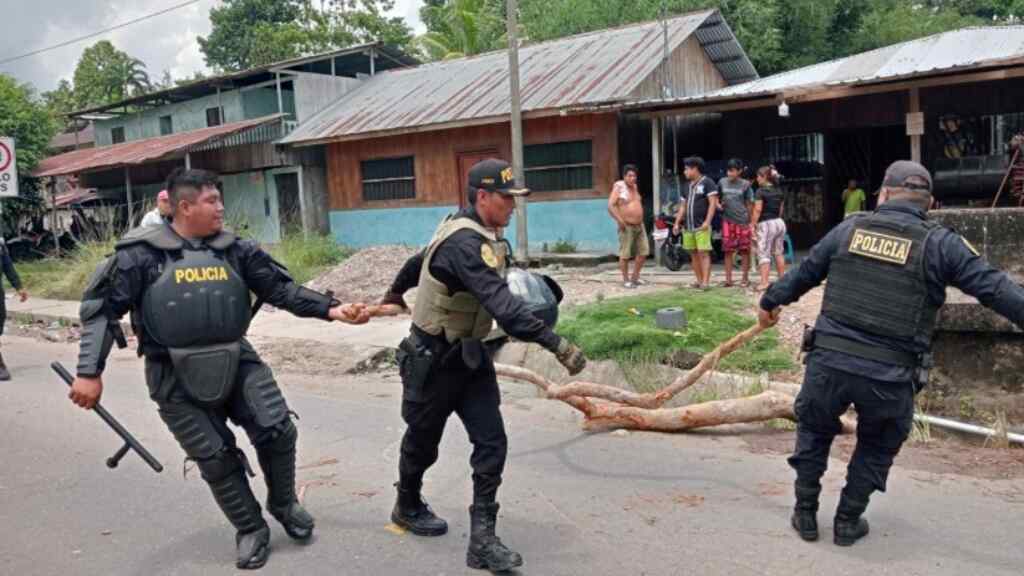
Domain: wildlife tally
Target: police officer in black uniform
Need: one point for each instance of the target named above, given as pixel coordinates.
(446, 368)
(887, 275)
(187, 285)
(12, 276)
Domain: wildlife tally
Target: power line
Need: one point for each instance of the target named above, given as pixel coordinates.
(101, 32)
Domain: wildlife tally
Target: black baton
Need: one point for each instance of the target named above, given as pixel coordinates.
(130, 443)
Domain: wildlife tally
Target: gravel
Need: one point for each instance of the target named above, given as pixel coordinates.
(366, 275)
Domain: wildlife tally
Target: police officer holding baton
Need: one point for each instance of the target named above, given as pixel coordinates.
(445, 366)
(187, 285)
(887, 274)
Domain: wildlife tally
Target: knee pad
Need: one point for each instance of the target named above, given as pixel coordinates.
(219, 466)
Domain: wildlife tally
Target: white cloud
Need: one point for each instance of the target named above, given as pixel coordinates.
(165, 42)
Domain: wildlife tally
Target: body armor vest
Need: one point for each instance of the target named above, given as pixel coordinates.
(198, 300)
(877, 281)
(198, 309)
(459, 315)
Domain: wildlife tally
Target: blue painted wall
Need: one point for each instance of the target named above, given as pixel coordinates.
(585, 222)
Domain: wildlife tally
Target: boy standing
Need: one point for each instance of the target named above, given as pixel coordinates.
(700, 200)
(737, 201)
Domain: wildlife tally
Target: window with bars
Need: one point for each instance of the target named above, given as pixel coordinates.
(559, 166)
(117, 135)
(389, 179)
(796, 148)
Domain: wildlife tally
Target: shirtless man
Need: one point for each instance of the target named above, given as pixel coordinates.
(627, 209)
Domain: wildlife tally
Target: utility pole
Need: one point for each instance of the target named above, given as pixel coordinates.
(522, 244)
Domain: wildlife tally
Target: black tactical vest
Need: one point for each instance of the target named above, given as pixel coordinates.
(877, 281)
(198, 300)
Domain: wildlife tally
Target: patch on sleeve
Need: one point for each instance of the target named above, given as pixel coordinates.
(878, 246)
(970, 247)
(488, 255)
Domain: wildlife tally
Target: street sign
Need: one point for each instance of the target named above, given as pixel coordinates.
(8, 169)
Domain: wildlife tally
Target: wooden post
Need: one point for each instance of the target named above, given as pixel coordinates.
(915, 139)
(373, 63)
(53, 215)
(128, 189)
(188, 160)
(522, 242)
(656, 145)
(280, 102)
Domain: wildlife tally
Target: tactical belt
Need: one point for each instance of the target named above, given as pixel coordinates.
(866, 351)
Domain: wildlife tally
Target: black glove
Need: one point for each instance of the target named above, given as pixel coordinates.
(570, 356)
(392, 298)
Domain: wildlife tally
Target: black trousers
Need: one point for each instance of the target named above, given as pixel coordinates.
(474, 396)
(885, 413)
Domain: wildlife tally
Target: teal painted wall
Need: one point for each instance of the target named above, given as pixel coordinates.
(260, 102)
(585, 222)
(190, 115)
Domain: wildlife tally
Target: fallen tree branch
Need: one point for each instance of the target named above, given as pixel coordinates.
(659, 398)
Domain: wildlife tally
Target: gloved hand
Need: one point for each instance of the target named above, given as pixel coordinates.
(392, 298)
(570, 356)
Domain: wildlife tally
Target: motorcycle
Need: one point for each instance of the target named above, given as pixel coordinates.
(671, 253)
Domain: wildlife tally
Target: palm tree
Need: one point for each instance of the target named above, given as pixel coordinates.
(467, 27)
(134, 79)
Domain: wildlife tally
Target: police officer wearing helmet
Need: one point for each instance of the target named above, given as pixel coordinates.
(887, 275)
(187, 285)
(445, 367)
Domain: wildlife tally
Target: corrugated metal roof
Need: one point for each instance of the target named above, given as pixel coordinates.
(85, 137)
(142, 151)
(588, 68)
(950, 51)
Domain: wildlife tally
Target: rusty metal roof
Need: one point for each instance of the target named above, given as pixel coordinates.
(600, 66)
(964, 49)
(143, 151)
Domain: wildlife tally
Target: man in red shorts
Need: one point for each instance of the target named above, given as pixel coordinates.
(737, 198)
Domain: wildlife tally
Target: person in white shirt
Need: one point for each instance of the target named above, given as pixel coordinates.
(158, 215)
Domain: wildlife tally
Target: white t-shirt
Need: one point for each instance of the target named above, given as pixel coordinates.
(152, 218)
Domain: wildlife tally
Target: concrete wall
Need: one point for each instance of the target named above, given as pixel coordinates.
(997, 233)
(250, 203)
(585, 222)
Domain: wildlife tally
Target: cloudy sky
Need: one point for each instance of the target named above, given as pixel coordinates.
(166, 42)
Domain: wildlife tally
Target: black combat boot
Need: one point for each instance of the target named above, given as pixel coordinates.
(4, 374)
(805, 513)
(486, 552)
(253, 548)
(277, 460)
(849, 526)
(235, 498)
(413, 514)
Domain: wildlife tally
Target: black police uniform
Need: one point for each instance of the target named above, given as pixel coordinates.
(190, 305)
(887, 276)
(463, 379)
(15, 280)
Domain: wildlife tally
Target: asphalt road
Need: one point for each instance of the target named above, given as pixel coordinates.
(572, 503)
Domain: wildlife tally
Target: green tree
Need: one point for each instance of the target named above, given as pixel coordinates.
(892, 21)
(26, 119)
(60, 102)
(105, 74)
(249, 33)
(458, 28)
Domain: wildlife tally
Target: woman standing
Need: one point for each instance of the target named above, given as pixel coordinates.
(766, 221)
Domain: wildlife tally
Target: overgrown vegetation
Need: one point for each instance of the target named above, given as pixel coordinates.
(66, 278)
(564, 246)
(612, 330)
(306, 257)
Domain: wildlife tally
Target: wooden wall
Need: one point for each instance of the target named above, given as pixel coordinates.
(688, 71)
(436, 154)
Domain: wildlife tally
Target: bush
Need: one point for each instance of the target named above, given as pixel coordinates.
(64, 278)
(564, 247)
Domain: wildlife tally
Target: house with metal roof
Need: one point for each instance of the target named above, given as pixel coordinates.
(398, 147)
(951, 101)
(229, 124)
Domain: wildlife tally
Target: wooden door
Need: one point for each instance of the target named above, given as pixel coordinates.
(466, 160)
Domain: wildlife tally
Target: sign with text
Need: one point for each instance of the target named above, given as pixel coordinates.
(8, 168)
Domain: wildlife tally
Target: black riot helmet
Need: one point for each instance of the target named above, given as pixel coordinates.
(539, 293)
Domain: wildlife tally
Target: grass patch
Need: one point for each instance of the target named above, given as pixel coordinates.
(610, 330)
(66, 278)
(307, 257)
(63, 278)
(564, 247)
